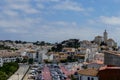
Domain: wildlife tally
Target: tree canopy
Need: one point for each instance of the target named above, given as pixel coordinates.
(7, 70)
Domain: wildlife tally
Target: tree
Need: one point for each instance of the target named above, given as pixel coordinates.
(103, 43)
(7, 70)
(71, 59)
(69, 44)
(84, 66)
(53, 49)
(16, 41)
(74, 43)
(24, 42)
(57, 48)
(63, 61)
(3, 76)
(24, 60)
(30, 61)
(72, 77)
(42, 43)
(92, 41)
(18, 60)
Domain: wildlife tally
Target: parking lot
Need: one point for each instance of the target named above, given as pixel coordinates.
(46, 73)
(56, 72)
(51, 72)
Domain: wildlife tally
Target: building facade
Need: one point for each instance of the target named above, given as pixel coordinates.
(8, 56)
(110, 43)
(112, 58)
(98, 39)
(88, 74)
(109, 73)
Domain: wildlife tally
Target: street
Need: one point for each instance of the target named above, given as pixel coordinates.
(19, 74)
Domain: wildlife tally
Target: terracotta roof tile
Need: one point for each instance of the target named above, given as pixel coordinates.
(88, 72)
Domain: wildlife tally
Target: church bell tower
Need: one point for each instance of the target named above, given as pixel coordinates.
(105, 36)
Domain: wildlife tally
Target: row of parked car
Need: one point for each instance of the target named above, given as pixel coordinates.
(35, 72)
(56, 72)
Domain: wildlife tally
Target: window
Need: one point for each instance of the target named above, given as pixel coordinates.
(92, 78)
(88, 78)
(80, 78)
(76, 73)
(37, 55)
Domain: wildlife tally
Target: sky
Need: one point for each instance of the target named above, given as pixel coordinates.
(58, 20)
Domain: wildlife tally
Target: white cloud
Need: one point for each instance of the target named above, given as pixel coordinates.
(16, 31)
(18, 22)
(69, 5)
(60, 30)
(20, 5)
(111, 23)
(23, 18)
(64, 23)
(90, 21)
(10, 13)
(113, 20)
(40, 6)
(18, 13)
(48, 0)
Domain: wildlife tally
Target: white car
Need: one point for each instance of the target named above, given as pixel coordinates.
(31, 71)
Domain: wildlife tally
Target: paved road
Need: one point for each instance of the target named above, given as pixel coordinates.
(20, 72)
(27, 76)
(46, 73)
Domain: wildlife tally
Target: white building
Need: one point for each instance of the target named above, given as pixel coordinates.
(31, 54)
(90, 53)
(8, 56)
(68, 50)
(85, 44)
(38, 54)
(110, 43)
(94, 47)
(99, 56)
(45, 56)
(81, 50)
(98, 39)
(1, 61)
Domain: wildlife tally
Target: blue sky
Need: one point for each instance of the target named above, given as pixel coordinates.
(57, 20)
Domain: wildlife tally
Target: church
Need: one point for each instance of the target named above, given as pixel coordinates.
(104, 39)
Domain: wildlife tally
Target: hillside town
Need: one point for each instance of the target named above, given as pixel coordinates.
(68, 60)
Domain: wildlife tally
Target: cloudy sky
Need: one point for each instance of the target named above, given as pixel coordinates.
(57, 20)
